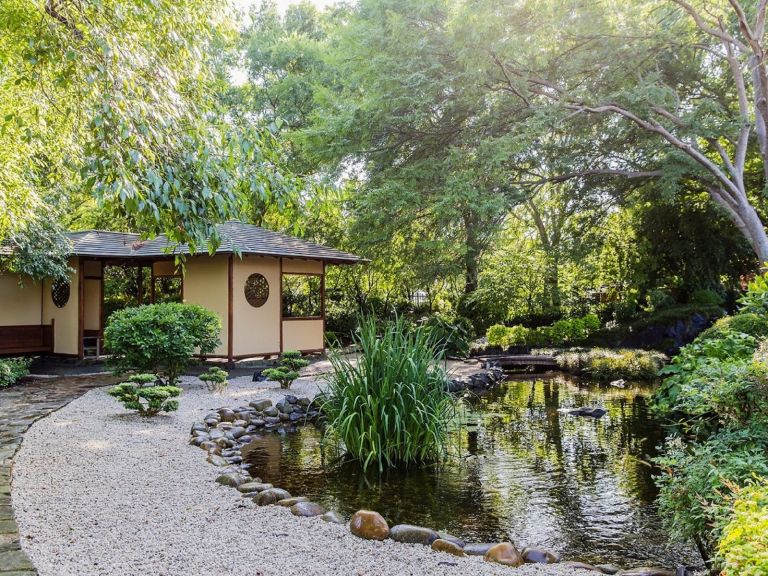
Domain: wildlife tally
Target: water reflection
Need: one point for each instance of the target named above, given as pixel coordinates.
(527, 471)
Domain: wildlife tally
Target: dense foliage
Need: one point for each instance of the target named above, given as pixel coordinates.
(142, 393)
(744, 546)
(287, 370)
(716, 391)
(567, 331)
(390, 406)
(13, 369)
(160, 338)
(604, 365)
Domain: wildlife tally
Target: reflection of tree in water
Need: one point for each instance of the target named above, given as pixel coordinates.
(528, 472)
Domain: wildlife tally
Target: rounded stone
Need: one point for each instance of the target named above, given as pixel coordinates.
(216, 434)
(226, 415)
(647, 571)
(447, 546)
(307, 509)
(217, 460)
(271, 496)
(478, 549)
(580, 566)
(333, 518)
(254, 487)
(369, 525)
(288, 502)
(260, 405)
(237, 431)
(609, 569)
(271, 411)
(504, 553)
(233, 480)
(209, 446)
(458, 541)
(409, 534)
(536, 555)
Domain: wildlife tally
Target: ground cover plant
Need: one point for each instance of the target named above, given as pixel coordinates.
(391, 406)
(604, 365)
(143, 393)
(287, 370)
(160, 338)
(716, 394)
(12, 370)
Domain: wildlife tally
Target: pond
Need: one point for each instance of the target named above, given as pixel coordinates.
(528, 472)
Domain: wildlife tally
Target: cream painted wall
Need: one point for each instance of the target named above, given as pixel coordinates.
(294, 266)
(206, 284)
(92, 300)
(65, 337)
(19, 305)
(256, 330)
(303, 335)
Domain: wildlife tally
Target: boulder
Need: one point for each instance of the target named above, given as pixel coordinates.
(250, 487)
(408, 534)
(477, 549)
(307, 509)
(333, 518)
(260, 405)
(646, 571)
(288, 502)
(578, 566)
(369, 525)
(447, 546)
(536, 555)
(505, 554)
(226, 415)
(271, 496)
(217, 460)
(231, 479)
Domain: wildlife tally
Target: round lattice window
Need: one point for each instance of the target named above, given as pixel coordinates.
(256, 290)
(60, 293)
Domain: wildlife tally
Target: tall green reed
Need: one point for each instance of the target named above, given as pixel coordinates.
(390, 407)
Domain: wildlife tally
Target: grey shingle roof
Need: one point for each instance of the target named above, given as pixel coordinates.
(236, 237)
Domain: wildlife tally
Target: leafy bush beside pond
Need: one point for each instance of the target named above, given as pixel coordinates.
(744, 545)
(160, 338)
(215, 379)
(288, 369)
(391, 406)
(12, 370)
(561, 333)
(716, 391)
(141, 393)
(603, 365)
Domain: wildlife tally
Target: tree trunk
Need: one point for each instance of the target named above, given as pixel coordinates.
(552, 282)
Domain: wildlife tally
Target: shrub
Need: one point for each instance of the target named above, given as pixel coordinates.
(743, 548)
(696, 478)
(149, 399)
(560, 333)
(746, 323)
(453, 335)
(12, 370)
(497, 335)
(391, 406)
(288, 369)
(706, 298)
(755, 299)
(604, 365)
(160, 338)
(215, 379)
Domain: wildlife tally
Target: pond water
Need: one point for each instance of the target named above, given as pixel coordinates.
(527, 471)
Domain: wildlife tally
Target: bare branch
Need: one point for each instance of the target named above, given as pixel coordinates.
(705, 27)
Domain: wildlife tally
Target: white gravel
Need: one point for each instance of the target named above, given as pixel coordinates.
(99, 491)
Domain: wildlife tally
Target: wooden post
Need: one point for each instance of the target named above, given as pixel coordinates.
(322, 303)
(80, 308)
(230, 306)
(280, 305)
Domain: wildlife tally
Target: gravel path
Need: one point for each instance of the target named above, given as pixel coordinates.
(99, 491)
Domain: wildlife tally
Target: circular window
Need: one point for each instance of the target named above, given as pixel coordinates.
(60, 293)
(256, 290)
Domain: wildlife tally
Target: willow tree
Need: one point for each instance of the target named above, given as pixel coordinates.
(111, 104)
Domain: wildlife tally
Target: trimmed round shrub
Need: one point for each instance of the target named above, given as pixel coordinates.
(160, 338)
(141, 393)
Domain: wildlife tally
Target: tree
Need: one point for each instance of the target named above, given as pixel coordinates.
(696, 84)
(116, 102)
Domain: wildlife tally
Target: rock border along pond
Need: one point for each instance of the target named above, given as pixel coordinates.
(225, 431)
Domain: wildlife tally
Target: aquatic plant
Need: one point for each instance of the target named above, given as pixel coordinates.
(391, 405)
